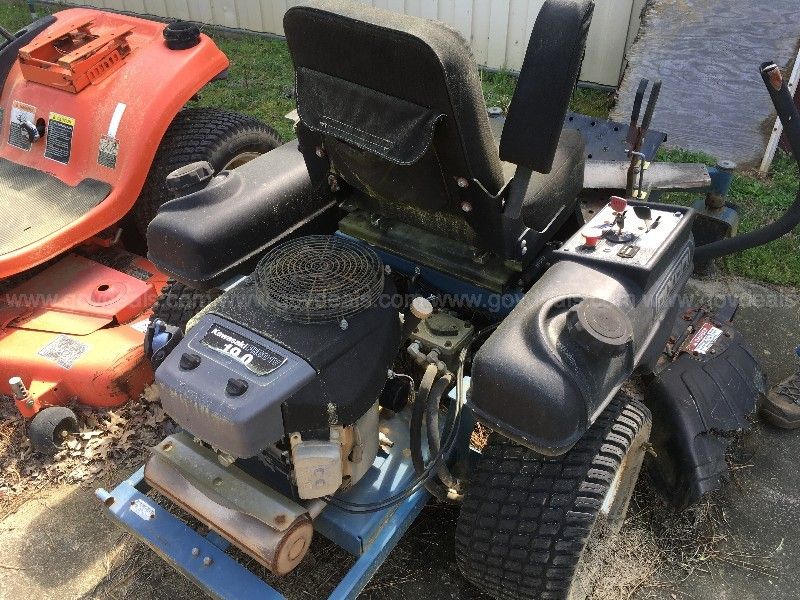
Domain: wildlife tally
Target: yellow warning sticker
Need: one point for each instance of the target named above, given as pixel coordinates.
(59, 138)
(62, 119)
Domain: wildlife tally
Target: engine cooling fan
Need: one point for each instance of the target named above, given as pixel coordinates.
(319, 279)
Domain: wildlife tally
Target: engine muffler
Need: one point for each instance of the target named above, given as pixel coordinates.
(271, 528)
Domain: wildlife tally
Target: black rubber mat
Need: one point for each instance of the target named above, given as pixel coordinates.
(34, 204)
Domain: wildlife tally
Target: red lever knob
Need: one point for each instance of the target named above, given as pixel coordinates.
(618, 204)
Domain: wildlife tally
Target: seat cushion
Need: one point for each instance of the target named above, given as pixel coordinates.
(545, 200)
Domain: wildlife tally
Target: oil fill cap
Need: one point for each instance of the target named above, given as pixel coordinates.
(599, 326)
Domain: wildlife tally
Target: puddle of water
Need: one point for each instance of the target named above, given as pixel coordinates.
(708, 53)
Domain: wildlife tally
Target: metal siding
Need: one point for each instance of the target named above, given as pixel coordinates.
(497, 29)
(178, 9)
(224, 13)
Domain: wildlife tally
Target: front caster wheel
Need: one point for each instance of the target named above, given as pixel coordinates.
(529, 523)
(50, 427)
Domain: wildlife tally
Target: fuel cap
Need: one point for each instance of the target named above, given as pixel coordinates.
(181, 35)
(190, 178)
(599, 326)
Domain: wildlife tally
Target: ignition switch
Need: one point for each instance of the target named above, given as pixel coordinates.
(32, 131)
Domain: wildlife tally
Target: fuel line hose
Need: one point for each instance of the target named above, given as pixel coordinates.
(789, 116)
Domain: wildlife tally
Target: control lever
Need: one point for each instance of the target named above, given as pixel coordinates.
(633, 129)
(637, 133)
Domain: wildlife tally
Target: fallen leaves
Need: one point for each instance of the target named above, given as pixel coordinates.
(109, 441)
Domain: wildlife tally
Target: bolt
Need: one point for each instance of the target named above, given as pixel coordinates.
(18, 388)
(462, 182)
(417, 270)
(195, 551)
(319, 151)
(466, 206)
(226, 460)
(343, 324)
(207, 561)
(333, 183)
(387, 269)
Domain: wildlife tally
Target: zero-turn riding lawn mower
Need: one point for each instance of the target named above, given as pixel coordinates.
(335, 388)
(92, 119)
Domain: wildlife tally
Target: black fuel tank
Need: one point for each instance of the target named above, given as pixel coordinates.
(580, 331)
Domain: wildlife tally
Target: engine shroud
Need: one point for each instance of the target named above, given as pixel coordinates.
(305, 376)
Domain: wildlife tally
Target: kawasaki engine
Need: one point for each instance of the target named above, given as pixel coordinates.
(287, 367)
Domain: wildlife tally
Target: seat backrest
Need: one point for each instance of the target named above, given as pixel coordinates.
(548, 76)
(397, 101)
(392, 104)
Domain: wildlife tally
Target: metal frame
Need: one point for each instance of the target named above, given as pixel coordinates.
(203, 559)
(777, 130)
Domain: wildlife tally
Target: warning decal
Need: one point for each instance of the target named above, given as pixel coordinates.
(704, 339)
(143, 510)
(109, 144)
(64, 351)
(109, 150)
(59, 138)
(20, 113)
(141, 326)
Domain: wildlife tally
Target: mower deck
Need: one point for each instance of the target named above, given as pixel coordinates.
(204, 559)
(75, 330)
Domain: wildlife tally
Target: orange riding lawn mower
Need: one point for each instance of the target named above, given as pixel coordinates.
(93, 117)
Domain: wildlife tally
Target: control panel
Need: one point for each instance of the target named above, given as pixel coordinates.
(627, 233)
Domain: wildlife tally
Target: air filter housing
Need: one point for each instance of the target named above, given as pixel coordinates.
(307, 342)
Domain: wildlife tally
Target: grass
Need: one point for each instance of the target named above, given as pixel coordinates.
(760, 200)
(261, 83)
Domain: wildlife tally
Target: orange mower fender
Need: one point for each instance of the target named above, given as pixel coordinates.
(103, 89)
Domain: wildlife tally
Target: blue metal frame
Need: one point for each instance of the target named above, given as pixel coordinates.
(204, 560)
(495, 305)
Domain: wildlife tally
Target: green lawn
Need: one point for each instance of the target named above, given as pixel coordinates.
(261, 81)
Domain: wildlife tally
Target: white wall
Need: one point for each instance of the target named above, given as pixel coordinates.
(497, 29)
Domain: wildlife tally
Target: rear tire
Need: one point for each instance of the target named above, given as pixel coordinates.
(529, 523)
(223, 138)
(50, 427)
(178, 303)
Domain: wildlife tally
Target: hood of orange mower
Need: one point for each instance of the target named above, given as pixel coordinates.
(104, 88)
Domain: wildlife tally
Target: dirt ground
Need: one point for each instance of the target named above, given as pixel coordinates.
(742, 543)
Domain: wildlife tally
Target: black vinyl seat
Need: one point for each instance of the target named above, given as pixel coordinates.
(393, 106)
